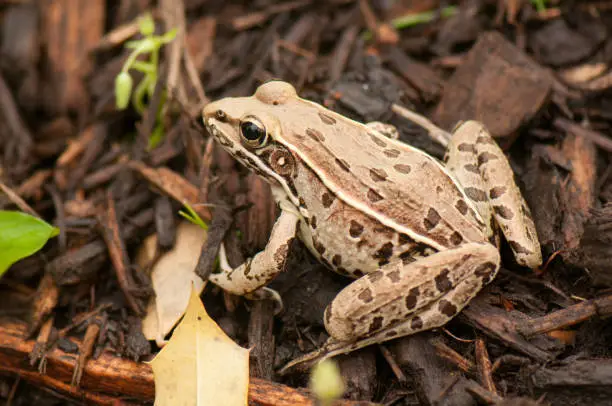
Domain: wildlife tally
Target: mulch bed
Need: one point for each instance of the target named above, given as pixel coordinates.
(538, 79)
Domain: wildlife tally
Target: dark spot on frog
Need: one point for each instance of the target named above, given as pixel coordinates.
(416, 323)
(358, 273)
(471, 168)
(329, 120)
(403, 239)
(475, 194)
(456, 238)
(465, 147)
(374, 196)
(485, 271)
(378, 141)
(337, 260)
(443, 283)
(375, 276)
(412, 298)
(485, 140)
(327, 199)
(365, 295)
(313, 222)
(486, 157)
(496, 192)
(355, 229)
(302, 202)
(318, 246)
(378, 175)
(402, 168)
(391, 333)
(447, 308)
(394, 276)
(432, 219)
(384, 253)
(391, 153)
(376, 324)
(504, 212)
(315, 134)
(343, 164)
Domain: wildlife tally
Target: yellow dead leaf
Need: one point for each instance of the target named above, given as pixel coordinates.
(172, 278)
(200, 365)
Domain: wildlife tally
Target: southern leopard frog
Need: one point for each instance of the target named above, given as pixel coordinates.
(420, 236)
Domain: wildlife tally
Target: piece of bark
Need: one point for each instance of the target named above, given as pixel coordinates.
(497, 85)
(44, 303)
(578, 192)
(84, 262)
(110, 375)
(112, 234)
(358, 371)
(435, 381)
(71, 28)
(419, 75)
(484, 366)
(174, 185)
(595, 248)
(584, 382)
(261, 339)
(503, 325)
(598, 307)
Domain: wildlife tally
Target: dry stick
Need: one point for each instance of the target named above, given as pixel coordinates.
(569, 316)
(17, 200)
(122, 378)
(452, 356)
(117, 252)
(484, 366)
(596, 137)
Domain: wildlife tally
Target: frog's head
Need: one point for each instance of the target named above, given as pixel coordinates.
(250, 128)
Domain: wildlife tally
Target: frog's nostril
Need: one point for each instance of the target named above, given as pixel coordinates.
(220, 115)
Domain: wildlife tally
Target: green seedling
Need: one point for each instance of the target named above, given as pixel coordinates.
(410, 20)
(21, 235)
(193, 217)
(540, 5)
(149, 45)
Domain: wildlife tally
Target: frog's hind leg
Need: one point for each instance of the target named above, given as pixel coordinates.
(403, 299)
(483, 170)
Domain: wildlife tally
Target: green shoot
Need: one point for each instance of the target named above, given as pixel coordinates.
(540, 5)
(124, 84)
(410, 20)
(21, 235)
(193, 217)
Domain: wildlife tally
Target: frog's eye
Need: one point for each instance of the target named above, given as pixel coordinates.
(253, 132)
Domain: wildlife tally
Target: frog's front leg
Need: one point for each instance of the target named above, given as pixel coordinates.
(487, 179)
(257, 271)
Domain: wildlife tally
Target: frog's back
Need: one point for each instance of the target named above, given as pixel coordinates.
(400, 186)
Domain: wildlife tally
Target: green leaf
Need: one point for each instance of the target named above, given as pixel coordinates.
(146, 25)
(21, 235)
(169, 36)
(123, 90)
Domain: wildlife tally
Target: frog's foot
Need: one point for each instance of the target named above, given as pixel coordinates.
(487, 179)
(400, 300)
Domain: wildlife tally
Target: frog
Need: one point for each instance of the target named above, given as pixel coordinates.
(419, 236)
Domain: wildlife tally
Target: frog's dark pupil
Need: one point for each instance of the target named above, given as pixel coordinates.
(251, 131)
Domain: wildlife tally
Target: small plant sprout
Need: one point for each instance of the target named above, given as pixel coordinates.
(150, 44)
(21, 235)
(193, 217)
(326, 382)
